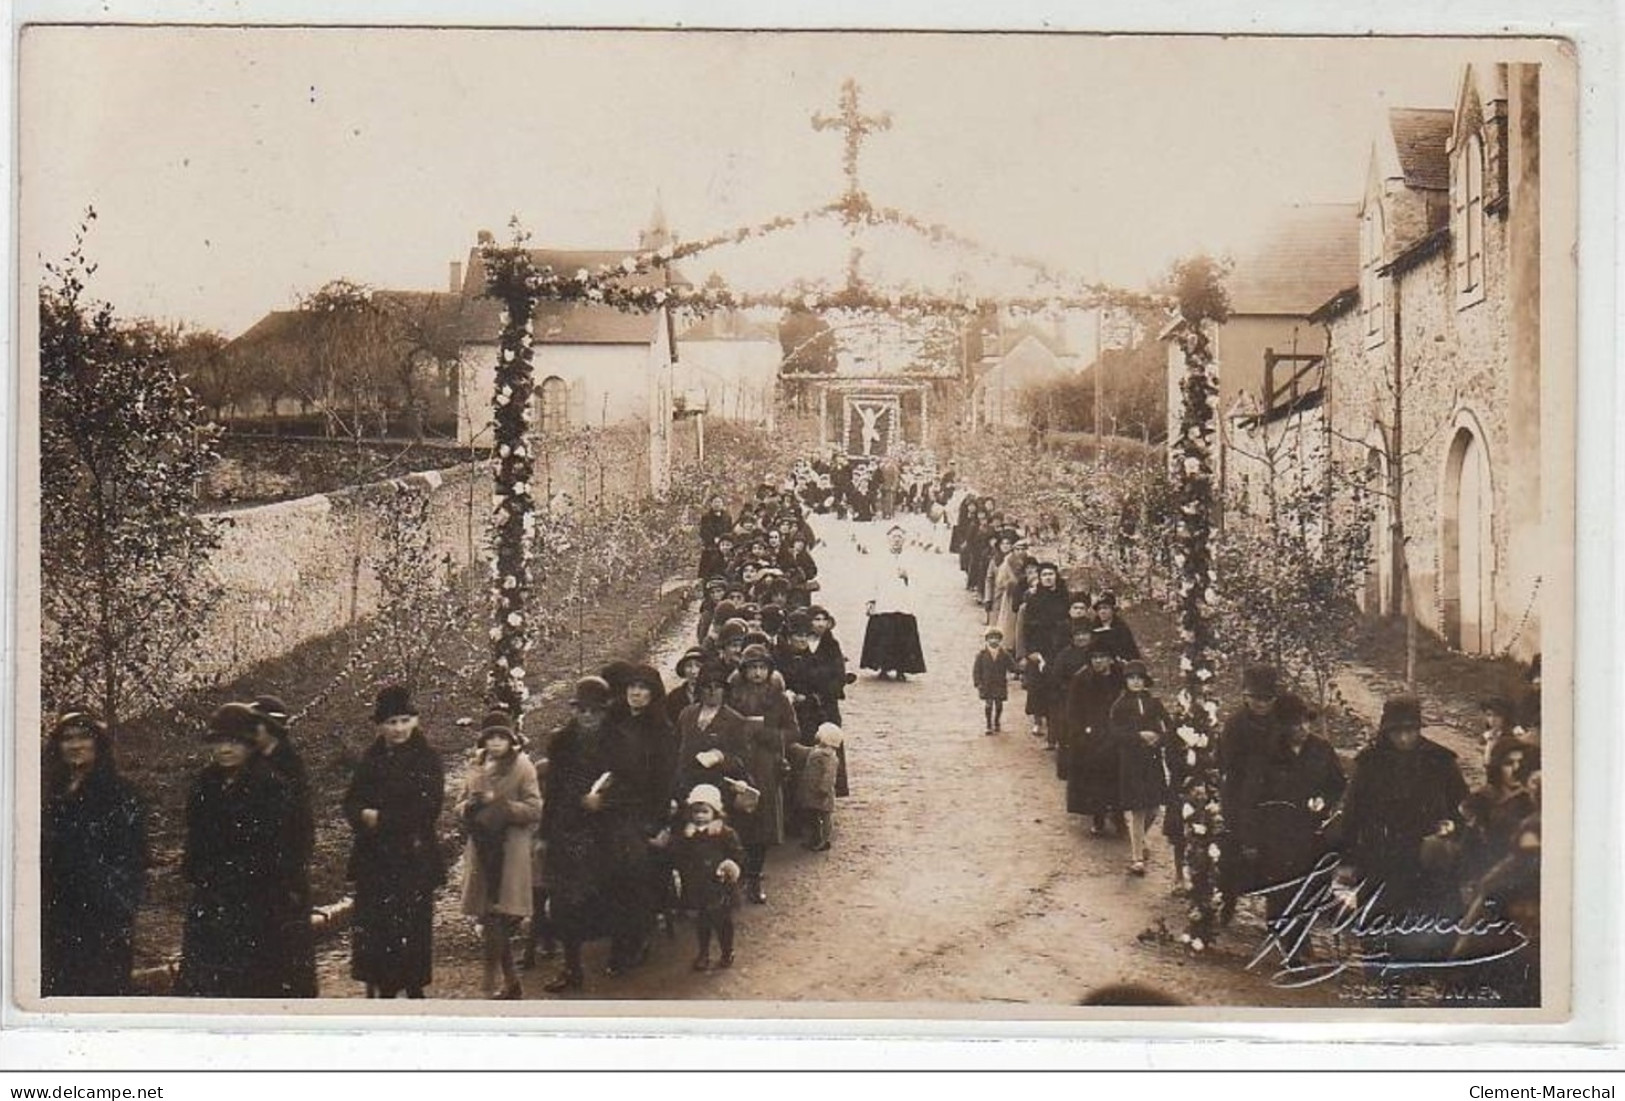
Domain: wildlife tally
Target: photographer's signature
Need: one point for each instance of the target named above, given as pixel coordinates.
(1319, 901)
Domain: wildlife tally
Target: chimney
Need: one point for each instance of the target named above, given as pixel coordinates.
(456, 277)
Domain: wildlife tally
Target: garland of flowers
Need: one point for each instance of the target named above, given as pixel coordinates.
(1202, 300)
(510, 278)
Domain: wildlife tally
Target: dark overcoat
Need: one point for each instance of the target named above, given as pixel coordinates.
(596, 869)
(1068, 663)
(768, 764)
(298, 949)
(92, 874)
(1143, 780)
(235, 865)
(1092, 766)
(396, 865)
(1285, 804)
(1396, 799)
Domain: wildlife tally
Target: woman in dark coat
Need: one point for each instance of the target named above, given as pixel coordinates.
(92, 864)
(1141, 728)
(298, 950)
(1071, 661)
(593, 807)
(1116, 634)
(393, 804)
(1405, 790)
(1041, 626)
(713, 742)
(235, 864)
(753, 695)
(687, 690)
(1285, 805)
(1092, 770)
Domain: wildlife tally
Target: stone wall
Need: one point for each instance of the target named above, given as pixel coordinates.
(1457, 377)
(297, 570)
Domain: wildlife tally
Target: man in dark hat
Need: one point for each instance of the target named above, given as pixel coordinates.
(1406, 789)
(276, 749)
(1249, 732)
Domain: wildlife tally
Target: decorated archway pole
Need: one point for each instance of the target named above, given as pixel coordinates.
(510, 278)
(1202, 302)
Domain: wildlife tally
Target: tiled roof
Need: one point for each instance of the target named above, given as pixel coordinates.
(1308, 253)
(1420, 136)
(561, 323)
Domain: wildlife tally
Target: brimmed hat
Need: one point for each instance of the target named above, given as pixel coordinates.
(1105, 599)
(78, 720)
(1400, 713)
(1261, 681)
(1083, 627)
(392, 702)
(713, 672)
(1138, 669)
(993, 632)
(830, 735)
(273, 711)
(693, 653)
(593, 692)
(1293, 710)
(798, 622)
(731, 630)
(819, 610)
(615, 674)
(707, 795)
(1050, 566)
(717, 582)
(756, 655)
(499, 722)
(232, 722)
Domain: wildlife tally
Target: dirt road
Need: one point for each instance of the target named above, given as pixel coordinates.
(956, 874)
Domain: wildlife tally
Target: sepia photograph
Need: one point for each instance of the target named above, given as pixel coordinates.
(1024, 526)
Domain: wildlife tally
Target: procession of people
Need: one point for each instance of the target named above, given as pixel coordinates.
(663, 799)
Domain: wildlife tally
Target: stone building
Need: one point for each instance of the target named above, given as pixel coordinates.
(1430, 382)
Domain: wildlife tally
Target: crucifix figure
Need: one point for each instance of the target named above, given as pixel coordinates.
(857, 125)
(871, 414)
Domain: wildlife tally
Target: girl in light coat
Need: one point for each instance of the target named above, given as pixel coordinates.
(501, 807)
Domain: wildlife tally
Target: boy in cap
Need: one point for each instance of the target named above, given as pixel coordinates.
(991, 675)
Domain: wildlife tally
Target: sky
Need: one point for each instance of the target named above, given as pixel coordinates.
(234, 168)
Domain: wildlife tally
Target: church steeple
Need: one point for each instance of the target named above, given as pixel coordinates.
(657, 234)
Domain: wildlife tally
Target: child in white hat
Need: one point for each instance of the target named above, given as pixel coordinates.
(816, 767)
(707, 855)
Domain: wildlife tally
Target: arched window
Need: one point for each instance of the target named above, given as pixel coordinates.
(1373, 285)
(1468, 208)
(555, 397)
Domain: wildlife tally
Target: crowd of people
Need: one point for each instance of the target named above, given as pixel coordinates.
(647, 804)
(1407, 837)
(662, 798)
(876, 488)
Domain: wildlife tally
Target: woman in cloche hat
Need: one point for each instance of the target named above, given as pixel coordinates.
(392, 804)
(501, 806)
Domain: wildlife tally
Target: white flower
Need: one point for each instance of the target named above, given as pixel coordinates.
(496, 633)
(515, 619)
(1187, 811)
(1204, 674)
(1199, 830)
(1184, 938)
(1196, 944)
(1187, 734)
(1193, 466)
(510, 582)
(1317, 804)
(1184, 665)
(1190, 759)
(517, 672)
